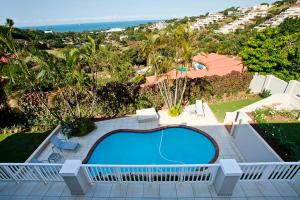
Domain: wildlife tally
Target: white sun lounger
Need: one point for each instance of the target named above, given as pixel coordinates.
(200, 108)
(147, 115)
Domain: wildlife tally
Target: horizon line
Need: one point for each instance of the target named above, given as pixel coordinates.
(133, 20)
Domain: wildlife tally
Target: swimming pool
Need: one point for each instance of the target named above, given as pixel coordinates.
(199, 66)
(164, 145)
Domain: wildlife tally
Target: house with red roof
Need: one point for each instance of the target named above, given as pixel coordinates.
(210, 64)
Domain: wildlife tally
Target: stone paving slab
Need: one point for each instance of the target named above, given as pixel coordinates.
(148, 191)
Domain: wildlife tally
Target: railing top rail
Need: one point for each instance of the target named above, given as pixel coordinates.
(270, 163)
(31, 164)
(153, 166)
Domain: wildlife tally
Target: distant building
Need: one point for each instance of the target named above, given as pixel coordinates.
(48, 31)
(202, 22)
(250, 14)
(158, 26)
(123, 37)
(292, 12)
(115, 30)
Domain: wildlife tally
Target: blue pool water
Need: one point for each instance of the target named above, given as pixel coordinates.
(199, 66)
(170, 146)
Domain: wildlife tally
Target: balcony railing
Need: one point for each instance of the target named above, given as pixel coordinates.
(46, 172)
(151, 173)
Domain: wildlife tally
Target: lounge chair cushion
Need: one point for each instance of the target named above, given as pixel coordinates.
(145, 115)
(62, 144)
(199, 107)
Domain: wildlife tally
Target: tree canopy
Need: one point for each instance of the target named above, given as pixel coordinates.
(275, 51)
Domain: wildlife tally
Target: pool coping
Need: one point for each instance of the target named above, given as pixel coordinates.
(213, 160)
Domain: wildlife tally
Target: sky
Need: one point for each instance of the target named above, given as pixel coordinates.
(49, 12)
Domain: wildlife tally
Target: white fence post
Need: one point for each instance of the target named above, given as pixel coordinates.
(75, 177)
(227, 176)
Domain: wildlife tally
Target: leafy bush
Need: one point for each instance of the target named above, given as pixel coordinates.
(9, 117)
(215, 87)
(85, 126)
(175, 111)
(139, 79)
(117, 99)
(79, 128)
(265, 93)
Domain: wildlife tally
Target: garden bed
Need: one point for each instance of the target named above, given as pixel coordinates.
(280, 129)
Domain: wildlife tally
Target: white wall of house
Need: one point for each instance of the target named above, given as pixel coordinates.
(251, 145)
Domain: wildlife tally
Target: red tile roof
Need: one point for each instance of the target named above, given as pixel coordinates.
(6, 58)
(216, 65)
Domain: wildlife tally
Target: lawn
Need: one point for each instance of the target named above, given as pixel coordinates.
(220, 109)
(18, 147)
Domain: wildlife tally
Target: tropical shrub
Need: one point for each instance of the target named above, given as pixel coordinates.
(9, 116)
(215, 87)
(175, 110)
(265, 93)
(79, 128)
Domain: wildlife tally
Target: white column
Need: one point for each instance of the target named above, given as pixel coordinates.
(75, 177)
(227, 176)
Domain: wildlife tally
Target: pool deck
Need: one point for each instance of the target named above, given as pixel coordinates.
(209, 124)
(149, 191)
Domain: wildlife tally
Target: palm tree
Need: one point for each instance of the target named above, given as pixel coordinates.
(9, 23)
(149, 49)
(177, 39)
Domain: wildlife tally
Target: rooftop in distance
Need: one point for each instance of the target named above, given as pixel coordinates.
(216, 64)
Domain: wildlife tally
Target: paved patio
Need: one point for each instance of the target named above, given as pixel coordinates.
(120, 191)
(209, 124)
(167, 190)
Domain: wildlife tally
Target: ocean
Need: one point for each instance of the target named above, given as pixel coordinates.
(90, 26)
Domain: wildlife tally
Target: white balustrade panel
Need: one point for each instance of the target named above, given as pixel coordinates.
(151, 173)
(19, 172)
(278, 171)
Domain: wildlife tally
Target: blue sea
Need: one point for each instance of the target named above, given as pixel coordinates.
(90, 26)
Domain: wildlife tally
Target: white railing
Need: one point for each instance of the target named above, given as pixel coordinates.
(151, 173)
(278, 171)
(19, 172)
(46, 172)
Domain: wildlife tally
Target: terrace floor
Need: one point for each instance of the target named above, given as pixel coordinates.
(171, 191)
(140, 190)
(209, 124)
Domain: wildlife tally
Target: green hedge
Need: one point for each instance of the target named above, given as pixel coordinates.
(118, 99)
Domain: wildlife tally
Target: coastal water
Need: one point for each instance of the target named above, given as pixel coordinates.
(90, 26)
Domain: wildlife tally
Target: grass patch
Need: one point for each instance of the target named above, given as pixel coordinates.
(18, 147)
(220, 109)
